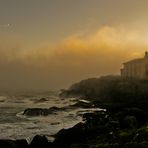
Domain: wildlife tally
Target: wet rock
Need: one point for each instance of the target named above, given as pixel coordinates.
(96, 119)
(130, 122)
(8, 144)
(42, 100)
(40, 142)
(141, 115)
(66, 137)
(131, 145)
(143, 144)
(83, 104)
(22, 143)
(141, 134)
(42, 111)
(13, 144)
(55, 123)
(37, 112)
(107, 145)
(55, 109)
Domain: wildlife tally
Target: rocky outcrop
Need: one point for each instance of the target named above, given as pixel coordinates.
(41, 111)
(36, 112)
(83, 104)
(37, 142)
(105, 130)
(100, 129)
(13, 144)
(124, 123)
(54, 109)
(40, 142)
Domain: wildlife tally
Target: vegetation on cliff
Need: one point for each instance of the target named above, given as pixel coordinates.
(125, 123)
(111, 91)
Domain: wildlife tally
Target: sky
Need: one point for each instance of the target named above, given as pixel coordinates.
(50, 44)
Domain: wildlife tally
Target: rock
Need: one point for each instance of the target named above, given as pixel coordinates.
(41, 100)
(143, 144)
(42, 111)
(40, 142)
(96, 119)
(8, 144)
(55, 109)
(129, 122)
(66, 137)
(107, 145)
(55, 123)
(83, 104)
(131, 145)
(141, 115)
(137, 115)
(37, 112)
(141, 134)
(22, 143)
(13, 144)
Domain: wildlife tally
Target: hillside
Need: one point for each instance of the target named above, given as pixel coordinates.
(111, 90)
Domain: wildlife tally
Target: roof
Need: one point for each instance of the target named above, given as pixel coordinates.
(135, 61)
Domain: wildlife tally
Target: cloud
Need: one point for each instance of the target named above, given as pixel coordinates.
(74, 58)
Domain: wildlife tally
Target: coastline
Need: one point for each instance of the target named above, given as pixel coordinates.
(121, 124)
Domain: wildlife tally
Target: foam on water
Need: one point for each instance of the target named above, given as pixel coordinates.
(14, 125)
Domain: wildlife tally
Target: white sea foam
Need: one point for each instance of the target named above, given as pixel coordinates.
(14, 125)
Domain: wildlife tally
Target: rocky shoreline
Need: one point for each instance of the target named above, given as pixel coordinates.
(126, 128)
(122, 124)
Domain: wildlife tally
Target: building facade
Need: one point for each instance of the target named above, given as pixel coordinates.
(137, 68)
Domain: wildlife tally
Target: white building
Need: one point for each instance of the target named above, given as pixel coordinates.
(137, 68)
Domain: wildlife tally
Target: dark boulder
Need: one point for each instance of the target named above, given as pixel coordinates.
(40, 142)
(8, 144)
(141, 134)
(37, 112)
(42, 111)
(13, 144)
(22, 143)
(140, 114)
(129, 122)
(66, 137)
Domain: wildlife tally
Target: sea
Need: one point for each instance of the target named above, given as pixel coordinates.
(15, 125)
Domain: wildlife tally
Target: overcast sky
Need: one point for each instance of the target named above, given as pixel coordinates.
(50, 44)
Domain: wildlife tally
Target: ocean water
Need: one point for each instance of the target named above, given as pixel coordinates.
(15, 125)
